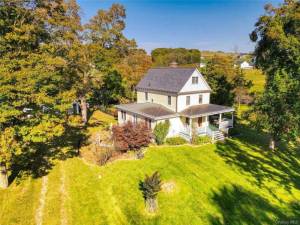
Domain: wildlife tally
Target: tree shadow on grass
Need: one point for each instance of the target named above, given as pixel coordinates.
(38, 158)
(249, 153)
(239, 206)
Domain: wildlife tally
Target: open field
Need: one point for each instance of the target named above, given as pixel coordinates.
(258, 79)
(237, 182)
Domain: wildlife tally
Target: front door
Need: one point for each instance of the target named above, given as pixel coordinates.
(200, 121)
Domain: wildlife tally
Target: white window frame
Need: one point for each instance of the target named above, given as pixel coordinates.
(123, 115)
(169, 100)
(188, 100)
(200, 97)
(135, 119)
(195, 80)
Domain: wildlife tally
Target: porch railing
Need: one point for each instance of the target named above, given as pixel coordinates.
(226, 123)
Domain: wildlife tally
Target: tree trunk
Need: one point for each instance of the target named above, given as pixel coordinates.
(3, 176)
(272, 144)
(151, 205)
(84, 110)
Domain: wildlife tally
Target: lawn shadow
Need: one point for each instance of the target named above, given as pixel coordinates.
(39, 157)
(239, 206)
(249, 152)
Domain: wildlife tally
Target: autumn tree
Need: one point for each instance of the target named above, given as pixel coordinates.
(132, 68)
(35, 79)
(277, 53)
(130, 136)
(102, 46)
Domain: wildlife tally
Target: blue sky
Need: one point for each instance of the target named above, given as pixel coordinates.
(202, 24)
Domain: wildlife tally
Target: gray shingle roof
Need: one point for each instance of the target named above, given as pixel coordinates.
(205, 109)
(165, 79)
(149, 110)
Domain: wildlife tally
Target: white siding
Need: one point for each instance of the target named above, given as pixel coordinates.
(194, 100)
(130, 117)
(201, 86)
(157, 98)
(176, 125)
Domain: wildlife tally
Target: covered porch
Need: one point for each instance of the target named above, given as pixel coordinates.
(209, 119)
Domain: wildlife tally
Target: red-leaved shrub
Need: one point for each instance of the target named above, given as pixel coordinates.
(131, 136)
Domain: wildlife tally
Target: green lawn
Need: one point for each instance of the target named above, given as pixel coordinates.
(238, 182)
(258, 79)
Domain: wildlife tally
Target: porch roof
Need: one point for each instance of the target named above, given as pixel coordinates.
(205, 110)
(149, 110)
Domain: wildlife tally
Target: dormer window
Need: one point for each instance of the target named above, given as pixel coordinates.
(194, 80)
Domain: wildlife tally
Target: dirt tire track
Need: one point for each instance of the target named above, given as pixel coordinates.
(40, 209)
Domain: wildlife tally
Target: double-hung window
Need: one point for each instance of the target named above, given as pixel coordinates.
(123, 115)
(194, 80)
(169, 100)
(135, 119)
(188, 100)
(200, 99)
(146, 96)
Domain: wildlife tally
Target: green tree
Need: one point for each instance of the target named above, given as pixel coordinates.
(112, 89)
(277, 53)
(102, 46)
(218, 72)
(164, 56)
(35, 79)
(161, 131)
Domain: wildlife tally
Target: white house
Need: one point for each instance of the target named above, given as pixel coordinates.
(246, 65)
(182, 96)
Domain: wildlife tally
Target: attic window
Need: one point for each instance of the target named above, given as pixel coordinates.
(194, 80)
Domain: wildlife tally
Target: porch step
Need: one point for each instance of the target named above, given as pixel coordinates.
(185, 136)
(218, 136)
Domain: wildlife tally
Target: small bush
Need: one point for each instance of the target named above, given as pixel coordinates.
(200, 140)
(161, 131)
(131, 136)
(176, 141)
(150, 188)
(233, 132)
(97, 155)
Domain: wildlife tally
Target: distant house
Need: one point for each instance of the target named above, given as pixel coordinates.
(202, 65)
(182, 96)
(246, 65)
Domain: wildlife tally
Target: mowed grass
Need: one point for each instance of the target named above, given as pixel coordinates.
(258, 79)
(237, 182)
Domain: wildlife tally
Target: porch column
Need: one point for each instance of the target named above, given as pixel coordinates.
(190, 125)
(220, 120)
(206, 123)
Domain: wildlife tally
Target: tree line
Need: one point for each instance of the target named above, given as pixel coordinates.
(48, 60)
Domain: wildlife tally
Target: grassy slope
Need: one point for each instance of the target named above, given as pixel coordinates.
(258, 79)
(233, 182)
(238, 182)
